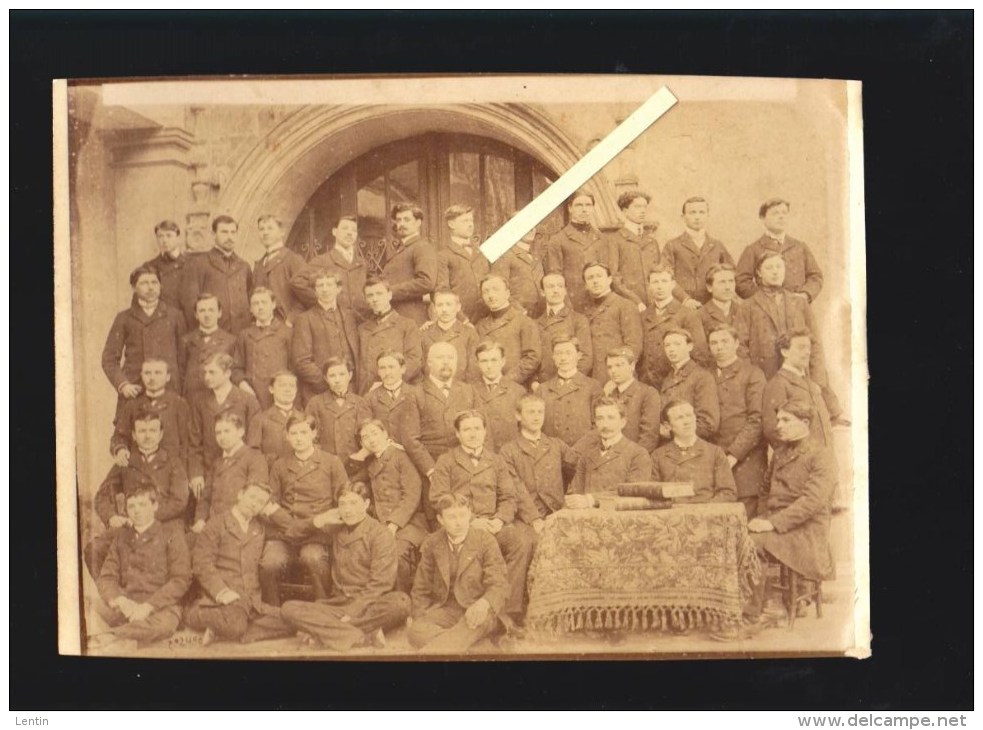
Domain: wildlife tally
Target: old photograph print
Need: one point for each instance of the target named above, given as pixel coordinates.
(303, 415)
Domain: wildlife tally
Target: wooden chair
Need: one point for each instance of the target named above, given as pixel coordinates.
(796, 590)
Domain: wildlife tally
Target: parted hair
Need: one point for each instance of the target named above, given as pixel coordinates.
(327, 274)
(456, 211)
(724, 327)
(716, 269)
(262, 290)
(678, 331)
(358, 487)
(143, 271)
(528, 398)
(694, 199)
(402, 207)
(282, 374)
(771, 203)
(394, 354)
(486, 345)
(366, 422)
(593, 264)
(629, 197)
(146, 414)
(220, 219)
(664, 415)
(784, 341)
(296, 419)
(470, 413)
(582, 193)
(222, 359)
(230, 417)
(375, 281)
(346, 217)
(449, 501)
(799, 408)
(566, 340)
(622, 351)
(334, 361)
(206, 296)
(608, 401)
(662, 267)
(269, 217)
(167, 225)
(764, 256)
(141, 488)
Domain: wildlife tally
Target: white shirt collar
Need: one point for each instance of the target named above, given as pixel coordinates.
(608, 445)
(141, 530)
(793, 369)
(229, 454)
(635, 228)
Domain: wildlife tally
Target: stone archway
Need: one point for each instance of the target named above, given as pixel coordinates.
(282, 172)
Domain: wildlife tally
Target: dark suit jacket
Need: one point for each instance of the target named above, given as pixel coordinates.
(411, 271)
(195, 351)
(694, 384)
(177, 283)
(569, 412)
(488, 483)
(801, 487)
(789, 386)
(626, 461)
(315, 339)
(463, 336)
(275, 272)
(165, 472)
(431, 415)
(226, 557)
(135, 337)
(538, 470)
(740, 388)
(305, 489)
(569, 249)
(260, 353)
(768, 320)
(523, 270)
(712, 315)
(153, 567)
(229, 279)
(637, 255)
(353, 276)
(480, 573)
(566, 323)
(392, 332)
(268, 433)
(402, 421)
(175, 419)
(363, 565)
(802, 272)
(338, 424)
(519, 335)
(703, 464)
(498, 405)
(204, 408)
(643, 410)
(691, 264)
(396, 493)
(228, 476)
(614, 322)
(653, 366)
(462, 273)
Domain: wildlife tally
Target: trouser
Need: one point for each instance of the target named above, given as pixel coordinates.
(237, 621)
(444, 630)
(157, 626)
(750, 505)
(406, 567)
(517, 542)
(95, 552)
(323, 620)
(279, 556)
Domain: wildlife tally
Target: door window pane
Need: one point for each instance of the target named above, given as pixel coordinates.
(465, 183)
(499, 193)
(404, 183)
(555, 220)
(372, 214)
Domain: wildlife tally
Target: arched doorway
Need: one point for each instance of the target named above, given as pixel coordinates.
(433, 170)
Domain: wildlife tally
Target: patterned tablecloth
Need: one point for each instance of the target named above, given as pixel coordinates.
(689, 566)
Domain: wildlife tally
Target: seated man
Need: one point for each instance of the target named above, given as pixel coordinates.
(175, 414)
(303, 484)
(146, 573)
(477, 472)
(793, 526)
(362, 602)
(460, 585)
(396, 492)
(148, 464)
(688, 458)
(268, 430)
(225, 560)
(608, 458)
(537, 463)
(237, 466)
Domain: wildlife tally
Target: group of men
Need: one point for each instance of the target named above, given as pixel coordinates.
(386, 438)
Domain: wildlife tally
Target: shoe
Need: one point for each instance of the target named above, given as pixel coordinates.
(748, 629)
(512, 627)
(208, 637)
(378, 639)
(306, 639)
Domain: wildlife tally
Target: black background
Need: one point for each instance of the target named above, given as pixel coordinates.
(918, 142)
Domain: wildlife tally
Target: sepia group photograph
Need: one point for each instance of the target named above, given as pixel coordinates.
(304, 412)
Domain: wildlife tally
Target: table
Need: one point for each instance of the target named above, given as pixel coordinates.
(689, 566)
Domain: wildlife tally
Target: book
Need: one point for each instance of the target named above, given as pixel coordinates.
(656, 490)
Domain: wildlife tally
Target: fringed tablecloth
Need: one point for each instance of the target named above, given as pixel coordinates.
(689, 566)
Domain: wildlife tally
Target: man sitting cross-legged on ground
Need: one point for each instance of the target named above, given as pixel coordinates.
(460, 584)
(362, 602)
(226, 563)
(146, 572)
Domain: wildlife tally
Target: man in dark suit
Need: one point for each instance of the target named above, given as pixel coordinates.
(607, 459)
(225, 560)
(174, 266)
(507, 325)
(689, 382)
(496, 394)
(203, 343)
(222, 273)
(560, 321)
(277, 267)
(460, 585)
(638, 251)
(345, 260)
(267, 432)
(147, 329)
(412, 266)
(740, 387)
(394, 404)
(724, 306)
(804, 277)
(461, 265)
(666, 313)
(325, 330)
(568, 395)
(693, 253)
(643, 405)
(263, 349)
(614, 321)
(448, 327)
(576, 244)
(387, 330)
